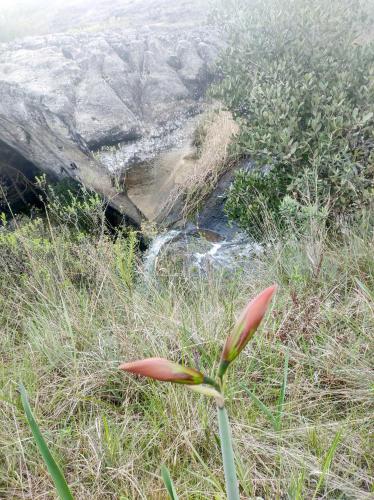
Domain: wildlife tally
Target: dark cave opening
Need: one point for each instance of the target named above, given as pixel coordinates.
(18, 190)
(20, 193)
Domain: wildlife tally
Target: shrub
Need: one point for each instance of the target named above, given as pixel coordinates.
(298, 76)
(72, 205)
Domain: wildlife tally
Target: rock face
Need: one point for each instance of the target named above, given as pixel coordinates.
(64, 96)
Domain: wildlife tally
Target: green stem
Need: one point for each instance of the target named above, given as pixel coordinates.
(232, 486)
(210, 381)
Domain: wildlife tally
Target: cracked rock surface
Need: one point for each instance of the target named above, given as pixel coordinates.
(65, 95)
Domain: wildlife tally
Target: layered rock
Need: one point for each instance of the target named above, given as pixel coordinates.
(64, 96)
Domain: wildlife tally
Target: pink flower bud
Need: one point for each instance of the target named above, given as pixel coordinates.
(162, 369)
(246, 327)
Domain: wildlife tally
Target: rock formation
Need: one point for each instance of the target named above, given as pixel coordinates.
(65, 96)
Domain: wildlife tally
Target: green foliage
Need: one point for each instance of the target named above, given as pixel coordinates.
(299, 77)
(274, 418)
(63, 239)
(67, 319)
(125, 252)
(73, 206)
(327, 461)
(168, 483)
(53, 468)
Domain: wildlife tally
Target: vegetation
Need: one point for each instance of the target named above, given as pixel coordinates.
(299, 77)
(57, 475)
(68, 318)
(168, 371)
(75, 301)
(200, 176)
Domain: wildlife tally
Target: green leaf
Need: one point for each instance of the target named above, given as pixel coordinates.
(365, 290)
(54, 470)
(282, 394)
(276, 420)
(261, 406)
(367, 117)
(168, 483)
(327, 461)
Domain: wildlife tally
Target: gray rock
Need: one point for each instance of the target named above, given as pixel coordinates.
(63, 96)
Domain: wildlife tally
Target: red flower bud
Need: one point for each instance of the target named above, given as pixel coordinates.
(162, 369)
(246, 327)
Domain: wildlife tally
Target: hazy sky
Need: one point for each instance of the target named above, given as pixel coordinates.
(19, 4)
(52, 3)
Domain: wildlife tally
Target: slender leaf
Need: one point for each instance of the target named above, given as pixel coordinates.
(261, 406)
(276, 420)
(168, 483)
(282, 394)
(297, 487)
(205, 466)
(327, 461)
(365, 290)
(54, 470)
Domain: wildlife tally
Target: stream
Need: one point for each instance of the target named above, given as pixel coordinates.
(201, 251)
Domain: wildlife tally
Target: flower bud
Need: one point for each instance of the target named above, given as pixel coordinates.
(164, 370)
(245, 328)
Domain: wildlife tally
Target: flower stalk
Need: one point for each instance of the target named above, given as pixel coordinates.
(166, 371)
(231, 480)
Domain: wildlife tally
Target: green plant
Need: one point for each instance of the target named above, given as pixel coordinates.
(327, 460)
(71, 204)
(53, 468)
(125, 251)
(298, 76)
(275, 419)
(66, 318)
(168, 483)
(167, 371)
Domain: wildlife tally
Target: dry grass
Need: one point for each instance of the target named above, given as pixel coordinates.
(213, 138)
(69, 315)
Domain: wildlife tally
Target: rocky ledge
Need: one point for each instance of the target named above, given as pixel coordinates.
(64, 96)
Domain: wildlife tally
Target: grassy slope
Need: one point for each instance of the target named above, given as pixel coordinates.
(71, 311)
(67, 319)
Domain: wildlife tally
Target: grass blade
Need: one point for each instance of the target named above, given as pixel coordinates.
(327, 461)
(205, 466)
(282, 394)
(169, 483)
(54, 470)
(261, 406)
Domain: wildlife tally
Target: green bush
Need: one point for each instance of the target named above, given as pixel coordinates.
(299, 77)
(72, 205)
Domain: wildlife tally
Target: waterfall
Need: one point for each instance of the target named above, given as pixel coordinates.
(150, 258)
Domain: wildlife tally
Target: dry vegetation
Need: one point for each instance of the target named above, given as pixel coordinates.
(73, 306)
(212, 140)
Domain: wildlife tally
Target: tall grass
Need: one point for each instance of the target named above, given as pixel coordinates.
(68, 317)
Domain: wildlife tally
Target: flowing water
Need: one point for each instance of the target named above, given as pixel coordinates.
(152, 254)
(201, 253)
